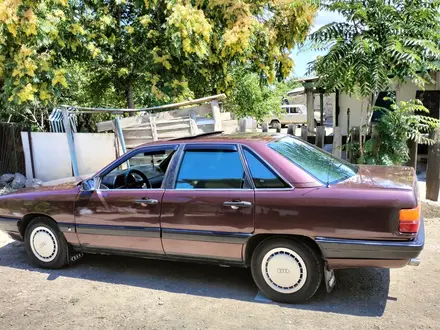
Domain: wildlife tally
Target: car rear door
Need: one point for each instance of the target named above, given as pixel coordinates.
(209, 211)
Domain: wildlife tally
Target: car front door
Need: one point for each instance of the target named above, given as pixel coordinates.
(124, 212)
(209, 212)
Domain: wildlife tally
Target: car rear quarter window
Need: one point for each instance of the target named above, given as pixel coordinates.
(216, 169)
(262, 176)
(320, 164)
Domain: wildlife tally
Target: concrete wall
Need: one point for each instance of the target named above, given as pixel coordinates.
(51, 154)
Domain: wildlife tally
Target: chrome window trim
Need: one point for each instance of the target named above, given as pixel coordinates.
(182, 156)
(201, 189)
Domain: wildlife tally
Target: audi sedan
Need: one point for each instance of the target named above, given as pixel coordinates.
(287, 210)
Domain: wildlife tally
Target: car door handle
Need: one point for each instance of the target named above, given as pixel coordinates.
(238, 204)
(147, 201)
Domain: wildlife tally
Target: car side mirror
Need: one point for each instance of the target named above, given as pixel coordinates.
(96, 183)
(91, 184)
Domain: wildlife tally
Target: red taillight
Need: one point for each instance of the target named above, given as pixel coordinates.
(409, 220)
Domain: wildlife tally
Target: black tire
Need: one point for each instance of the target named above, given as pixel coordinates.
(60, 256)
(277, 126)
(307, 286)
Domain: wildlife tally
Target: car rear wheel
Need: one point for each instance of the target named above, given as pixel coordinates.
(45, 244)
(286, 271)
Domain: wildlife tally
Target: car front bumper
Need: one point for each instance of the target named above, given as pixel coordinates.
(10, 226)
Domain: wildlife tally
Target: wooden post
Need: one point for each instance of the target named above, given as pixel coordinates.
(193, 129)
(433, 169)
(153, 128)
(337, 142)
(321, 108)
(412, 146)
(291, 129)
(31, 153)
(242, 125)
(310, 110)
(348, 121)
(120, 134)
(71, 142)
(216, 115)
(304, 132)
(320, 136)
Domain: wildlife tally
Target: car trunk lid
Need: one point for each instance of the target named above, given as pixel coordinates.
(382, 177)
(402, 183)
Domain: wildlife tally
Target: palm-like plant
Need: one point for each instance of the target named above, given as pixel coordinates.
(381, 41)
(402, 122)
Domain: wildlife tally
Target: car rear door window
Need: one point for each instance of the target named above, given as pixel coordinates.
(262, 176)
(211, 169)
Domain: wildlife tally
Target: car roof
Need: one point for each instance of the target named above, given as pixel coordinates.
(221, 137)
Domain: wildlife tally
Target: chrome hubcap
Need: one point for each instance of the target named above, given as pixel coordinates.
(44, 244)
(284, 270)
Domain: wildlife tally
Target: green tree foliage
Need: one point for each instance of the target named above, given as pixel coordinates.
(251, 98)
(402, 122)
(141, 52)
(379, 41)
(36, 42)
(162, 51)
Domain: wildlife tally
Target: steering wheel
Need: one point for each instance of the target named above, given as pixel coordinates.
(131, 182)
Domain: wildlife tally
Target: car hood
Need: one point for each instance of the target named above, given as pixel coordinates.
(383, 177)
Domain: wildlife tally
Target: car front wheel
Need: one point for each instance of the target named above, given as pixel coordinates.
(286, 271)
(45, 244)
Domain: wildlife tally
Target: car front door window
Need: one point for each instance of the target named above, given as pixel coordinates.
(143, 170)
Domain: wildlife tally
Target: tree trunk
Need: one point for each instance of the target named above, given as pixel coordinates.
(361, 134)
(130, 97)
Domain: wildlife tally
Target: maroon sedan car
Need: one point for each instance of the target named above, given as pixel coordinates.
(271, 202)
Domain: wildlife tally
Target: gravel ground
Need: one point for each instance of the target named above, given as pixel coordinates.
(106, 292)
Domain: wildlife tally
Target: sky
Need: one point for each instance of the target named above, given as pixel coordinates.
(302, 57)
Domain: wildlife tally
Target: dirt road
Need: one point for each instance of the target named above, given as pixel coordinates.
(106, 292)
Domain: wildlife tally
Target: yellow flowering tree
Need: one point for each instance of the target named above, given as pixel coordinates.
(142, 52)
(36, 39)
(152, 52)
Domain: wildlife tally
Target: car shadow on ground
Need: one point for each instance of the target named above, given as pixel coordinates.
(360, 292)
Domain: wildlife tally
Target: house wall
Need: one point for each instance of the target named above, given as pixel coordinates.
(51, 154)
(329, 102)
(347, 102)
(404, 92)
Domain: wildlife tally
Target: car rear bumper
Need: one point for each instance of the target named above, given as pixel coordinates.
(336, 248)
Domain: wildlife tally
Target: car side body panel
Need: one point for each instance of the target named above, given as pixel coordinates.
(196, 224)
(56, 202)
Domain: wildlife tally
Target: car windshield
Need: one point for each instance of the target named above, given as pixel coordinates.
(313, 160)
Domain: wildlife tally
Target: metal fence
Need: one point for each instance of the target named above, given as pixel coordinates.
(11, 149)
